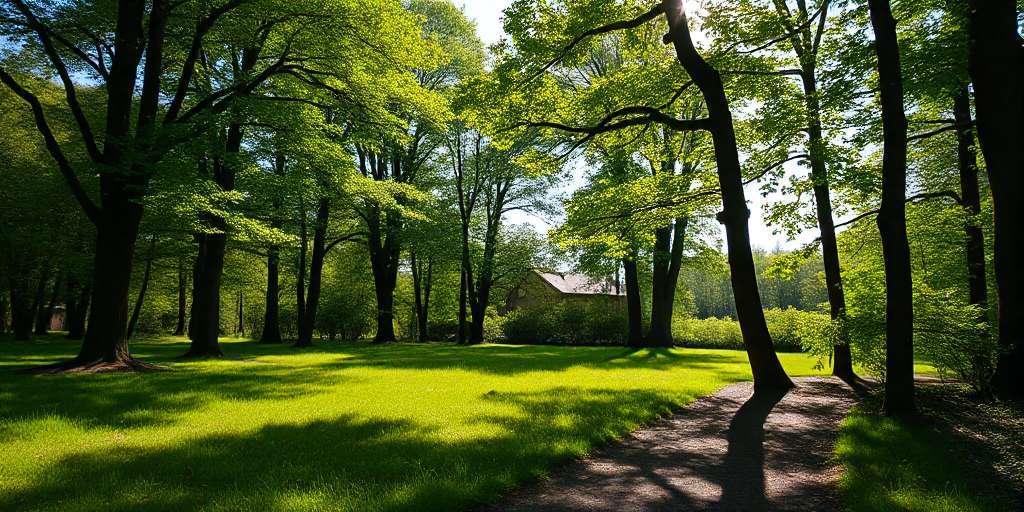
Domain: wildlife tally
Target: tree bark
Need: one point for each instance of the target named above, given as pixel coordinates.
(179, 329)
(463, 300)
(210, 263)
(842, 361)
(668, 256)
(764, 363)
(272, 313)
(971, 197)
(76, 326)
(38, 322)
(137, 310)
(422, 279)
(300, 278)
(204, 323)
(635, 337)
(271, 318)
(384, 253)
(316, 267)
(996, 64)
(45, 315)
(241, 314)
(892, 218)
(106, 340)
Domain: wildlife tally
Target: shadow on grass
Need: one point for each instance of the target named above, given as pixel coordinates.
(139, 400)
(133, 400)
(515, 359)
(918, 464)
(343, 463)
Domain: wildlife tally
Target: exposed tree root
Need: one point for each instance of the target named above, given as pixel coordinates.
(77, 365)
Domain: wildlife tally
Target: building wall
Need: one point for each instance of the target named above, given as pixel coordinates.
(535, 292)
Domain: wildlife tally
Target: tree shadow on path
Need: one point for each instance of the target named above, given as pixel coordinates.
(735, 450)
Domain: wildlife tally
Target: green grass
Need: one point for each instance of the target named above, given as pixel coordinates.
(339, 427)
(911, 466)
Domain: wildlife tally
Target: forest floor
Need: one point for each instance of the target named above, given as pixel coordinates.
(734, 450)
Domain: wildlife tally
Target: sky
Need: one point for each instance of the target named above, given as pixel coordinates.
(487, 15)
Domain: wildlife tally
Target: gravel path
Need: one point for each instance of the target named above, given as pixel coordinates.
(729, 451)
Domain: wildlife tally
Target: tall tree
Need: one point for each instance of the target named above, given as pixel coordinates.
(996, 64)
(892, 217)
(764, 363)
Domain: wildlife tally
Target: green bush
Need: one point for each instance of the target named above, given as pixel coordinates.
(788, 328)
(567, 323)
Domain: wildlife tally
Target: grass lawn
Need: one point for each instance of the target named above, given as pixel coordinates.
(916, 466)
(339, 427)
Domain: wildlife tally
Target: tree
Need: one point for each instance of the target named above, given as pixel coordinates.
(767, 370)
(998, 78)
(892, 220)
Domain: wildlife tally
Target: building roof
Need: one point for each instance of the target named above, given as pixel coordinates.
(579, 284)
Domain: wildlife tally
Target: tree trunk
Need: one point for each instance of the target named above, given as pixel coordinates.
(300, 278)
(76, 326)
(316, 267)
(38, 307)
(463, 300)
(21, 312)
(271, 318)
(971, 196)
(635, 337)
(3, 313)
(241, 314)
(179, 329)
(996, 63)
(892, 218)
(842, 362)
(106, 340)
(204, 326)
(384, 254)
(668, 255)
(137, 310)
(45, 315)
(272, 313)
(764, 363)
(421, 281)
(210, 264)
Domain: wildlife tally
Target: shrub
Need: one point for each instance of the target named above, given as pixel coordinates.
(569, 323)
(535, 325)
(788, 328)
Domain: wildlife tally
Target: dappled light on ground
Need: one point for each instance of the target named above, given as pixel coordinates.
(351, 427)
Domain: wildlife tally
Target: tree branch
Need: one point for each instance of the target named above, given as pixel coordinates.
(945, 194)
(604, 29)
(922, 136)
(88, 206)
(69, 86)
(188, 68)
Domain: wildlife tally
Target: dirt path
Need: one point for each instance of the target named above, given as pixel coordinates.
(729, 451)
